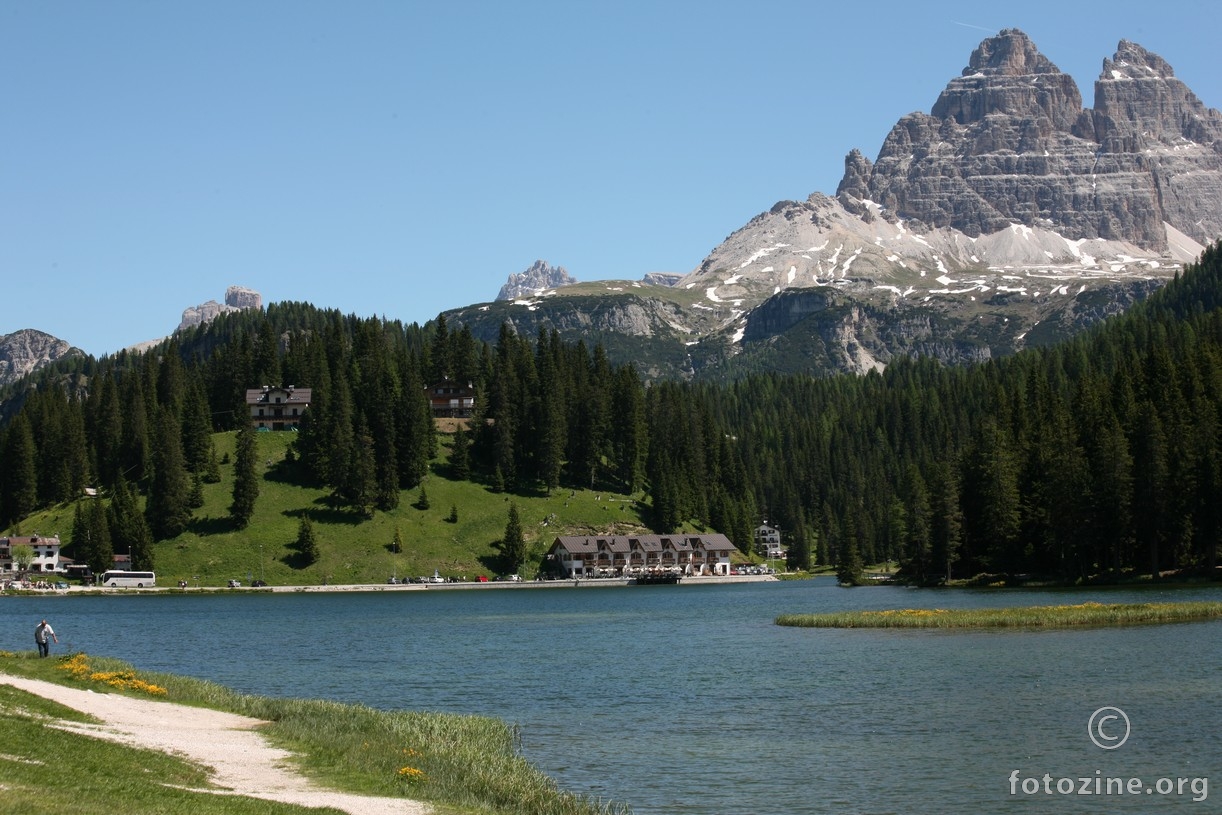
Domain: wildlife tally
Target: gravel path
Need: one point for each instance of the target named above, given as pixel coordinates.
(241, 759)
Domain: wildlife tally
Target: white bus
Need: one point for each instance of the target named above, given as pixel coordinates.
(129, 580)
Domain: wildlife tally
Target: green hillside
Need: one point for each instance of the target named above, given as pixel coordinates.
(354, 549)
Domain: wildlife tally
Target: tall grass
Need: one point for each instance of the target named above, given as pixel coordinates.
(1066, 616)
(459, 763)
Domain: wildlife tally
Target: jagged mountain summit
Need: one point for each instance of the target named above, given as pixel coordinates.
(1008, 215)
(539, 278)
(237, 298)
(1007, 187)
(1009, 142)
(27, 350)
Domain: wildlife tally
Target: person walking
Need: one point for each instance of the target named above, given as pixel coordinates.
(41, 632)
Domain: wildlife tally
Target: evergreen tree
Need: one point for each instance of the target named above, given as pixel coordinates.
(167, 507)
(396, 543)
(306, 544)
(212, 468)
(849, 568)
(91, 537)
(127, 524)
(460, 455)
(513, 545)
(245, 477)
(195, 497)
(18, 476)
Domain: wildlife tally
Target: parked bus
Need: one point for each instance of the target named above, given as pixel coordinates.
(129, 580)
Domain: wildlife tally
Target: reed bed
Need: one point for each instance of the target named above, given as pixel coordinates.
(1064, 616)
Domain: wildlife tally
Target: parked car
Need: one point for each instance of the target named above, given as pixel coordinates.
(235, 584)
(258, 584)
(394, 581)
(481, 579)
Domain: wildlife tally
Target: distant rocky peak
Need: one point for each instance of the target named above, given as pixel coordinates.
(1010, 53)
(237, 298)
(1131, 61)
(540, 277)
(1009, 142)
(1007, 74)
(1139, 101)
(27, 350)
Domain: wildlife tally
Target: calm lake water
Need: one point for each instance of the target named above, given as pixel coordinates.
(687, 699)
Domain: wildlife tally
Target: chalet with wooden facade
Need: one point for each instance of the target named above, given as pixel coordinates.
(275, 408)
(683, 554)
(451, 400)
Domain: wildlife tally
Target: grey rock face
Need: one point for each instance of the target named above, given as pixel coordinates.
(27, 350)
(1008, 142)
(240, 297)
(540, 277)
(661, 278)
(237, 298)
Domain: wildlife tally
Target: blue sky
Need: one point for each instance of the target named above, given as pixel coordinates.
(402, 158)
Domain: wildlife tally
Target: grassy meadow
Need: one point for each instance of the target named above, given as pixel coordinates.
(354, 549)
(459, 764)
(1065, 616)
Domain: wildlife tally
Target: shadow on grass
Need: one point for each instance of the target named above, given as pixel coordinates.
(211, 526)
(297, 560)
(328, 513)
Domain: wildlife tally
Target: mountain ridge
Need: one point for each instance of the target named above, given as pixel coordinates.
(1006, 216)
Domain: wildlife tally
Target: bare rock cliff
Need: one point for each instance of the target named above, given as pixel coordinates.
(1008, 142)
(237, 298)
(27, 350)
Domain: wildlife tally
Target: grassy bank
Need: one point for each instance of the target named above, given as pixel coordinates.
(1068, 616)
(459, 764)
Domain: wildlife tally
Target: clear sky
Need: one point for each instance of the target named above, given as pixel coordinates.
(402, 158)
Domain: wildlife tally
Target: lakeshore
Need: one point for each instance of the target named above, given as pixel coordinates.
(462, 585)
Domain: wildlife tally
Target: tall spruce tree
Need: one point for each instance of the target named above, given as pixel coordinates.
(19, 475)
(513, 544)
(167, 508)
(245, 477)
(128, 527)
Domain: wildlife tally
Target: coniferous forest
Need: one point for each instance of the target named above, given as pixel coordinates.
(1091, 460)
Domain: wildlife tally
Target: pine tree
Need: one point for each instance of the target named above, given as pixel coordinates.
(126, 523)
(849, 569)
(460, 455)
(91, 537)
(513, 545)
(212, 469)
(306, 543)
(18, 476)
(245, 477)
(167, 508)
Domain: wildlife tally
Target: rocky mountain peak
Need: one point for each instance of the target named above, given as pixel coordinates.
(1009, 143)
(538, 278)
(1139, 104)
(1008, 75)
(237, 298)
(27, 350)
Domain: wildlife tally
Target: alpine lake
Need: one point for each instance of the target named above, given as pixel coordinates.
(688, 699)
